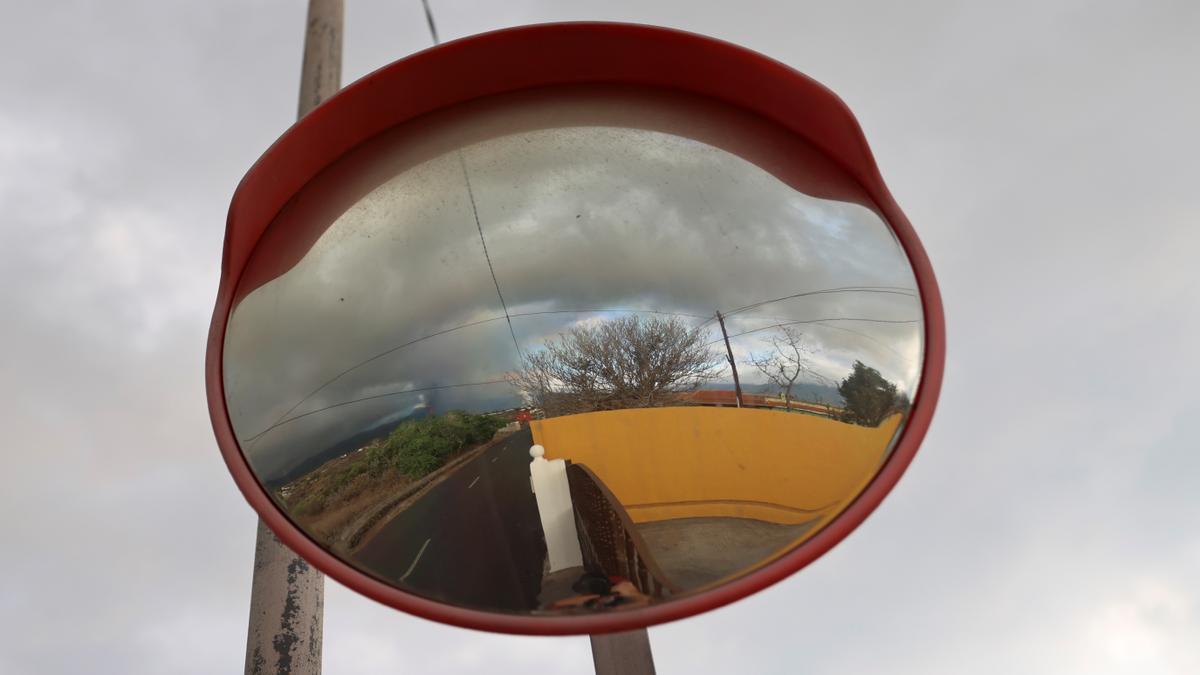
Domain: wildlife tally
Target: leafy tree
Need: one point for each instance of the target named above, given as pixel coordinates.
(627, 362)
(869, 397)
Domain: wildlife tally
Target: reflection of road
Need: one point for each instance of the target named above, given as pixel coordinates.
(474, 539)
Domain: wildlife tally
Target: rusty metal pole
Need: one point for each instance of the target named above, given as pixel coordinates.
(287, 595)
(623, 653)
(321, 76)
(286, 606)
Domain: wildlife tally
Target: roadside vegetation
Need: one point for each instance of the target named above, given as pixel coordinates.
(411, 451)
(419, 447)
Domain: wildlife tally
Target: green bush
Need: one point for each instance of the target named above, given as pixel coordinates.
(310, 504)
(483, 427)
(346, 477)
(415, 448)
(418, 447)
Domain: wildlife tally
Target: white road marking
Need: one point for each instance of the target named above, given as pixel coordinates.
(494, 459)
(473, 483)
(413, 566)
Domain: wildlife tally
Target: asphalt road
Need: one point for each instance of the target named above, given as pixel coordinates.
(475, 539)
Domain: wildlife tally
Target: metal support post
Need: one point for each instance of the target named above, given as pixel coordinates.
(287, 596)
(623, 653)
(286, 606)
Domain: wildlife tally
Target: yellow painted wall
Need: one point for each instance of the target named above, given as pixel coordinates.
(685, 462)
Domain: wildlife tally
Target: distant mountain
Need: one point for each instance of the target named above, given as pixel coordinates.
(343, 447)
(281, 471)
(801, 391)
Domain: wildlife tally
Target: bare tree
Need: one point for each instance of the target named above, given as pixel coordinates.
(628, 362)
(789, 359)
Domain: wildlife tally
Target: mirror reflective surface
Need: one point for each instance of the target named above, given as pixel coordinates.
(576, 350)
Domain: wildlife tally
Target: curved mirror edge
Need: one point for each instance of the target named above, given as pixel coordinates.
(378, 419)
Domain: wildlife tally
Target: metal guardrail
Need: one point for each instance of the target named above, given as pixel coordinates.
(609, 540)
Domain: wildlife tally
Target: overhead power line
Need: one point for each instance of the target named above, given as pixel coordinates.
(390, 350)
(475, 211)
(861, 334)
(888, 290)
(429, 19)
(836, 318)
(284, 419)
(892, 290)
(510, 316)
(400, 392)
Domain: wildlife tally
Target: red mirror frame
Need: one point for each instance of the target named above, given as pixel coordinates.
(522, 58)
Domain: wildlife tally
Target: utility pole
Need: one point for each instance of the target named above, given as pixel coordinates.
(623, 653)
(737, 385)
(287, 595)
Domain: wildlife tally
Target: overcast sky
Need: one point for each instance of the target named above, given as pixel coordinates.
(1045, 152)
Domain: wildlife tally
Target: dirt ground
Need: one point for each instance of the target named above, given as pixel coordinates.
(696, 552)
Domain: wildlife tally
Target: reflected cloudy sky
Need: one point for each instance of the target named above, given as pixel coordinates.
(586, 216)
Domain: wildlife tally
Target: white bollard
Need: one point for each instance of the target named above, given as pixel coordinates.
(548, 479)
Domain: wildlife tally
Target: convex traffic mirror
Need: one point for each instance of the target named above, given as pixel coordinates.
(571, 328)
